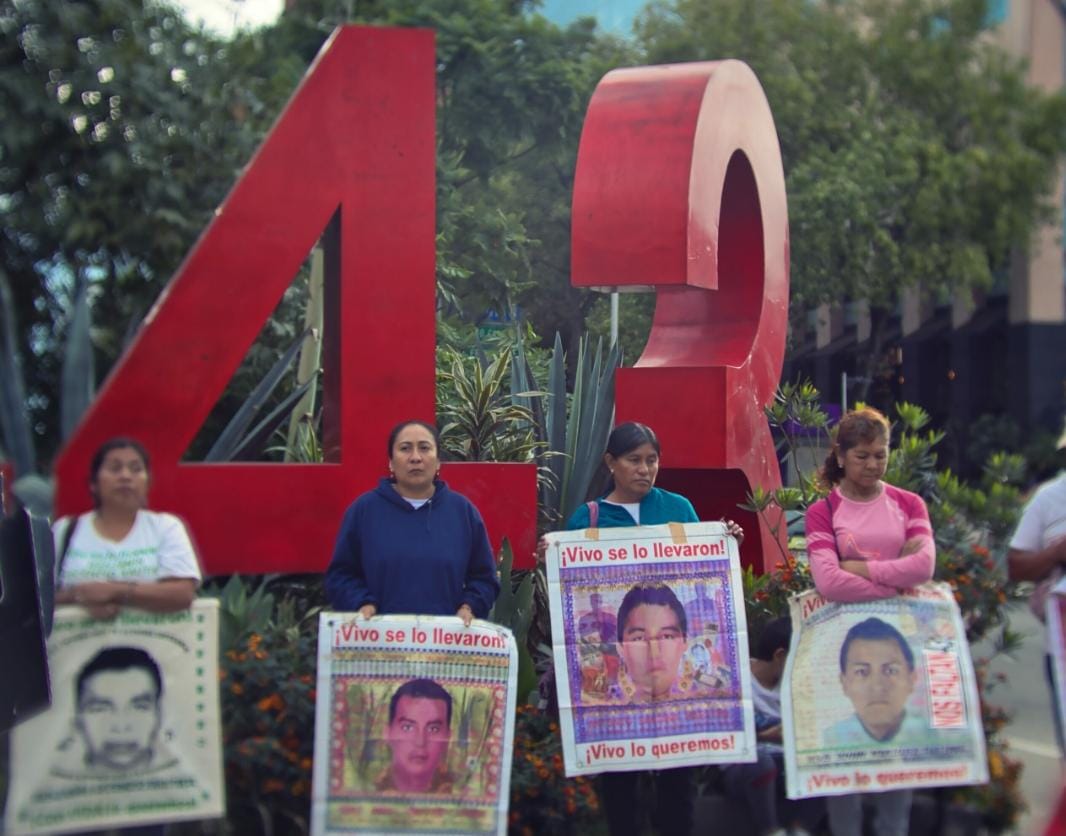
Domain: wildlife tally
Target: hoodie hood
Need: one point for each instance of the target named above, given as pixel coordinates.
(387, 490)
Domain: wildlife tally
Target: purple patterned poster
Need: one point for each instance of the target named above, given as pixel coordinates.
(651, 647)
(414, 722)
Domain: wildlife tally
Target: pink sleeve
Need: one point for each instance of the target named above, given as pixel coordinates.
(917, 568)
(834, 583)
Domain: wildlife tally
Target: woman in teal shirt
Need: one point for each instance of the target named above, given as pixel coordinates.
(631, 498)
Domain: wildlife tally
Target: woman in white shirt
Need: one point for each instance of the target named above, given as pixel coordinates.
(121, 554)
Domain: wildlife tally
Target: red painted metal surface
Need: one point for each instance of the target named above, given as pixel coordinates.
(679, 187)
(352, 154)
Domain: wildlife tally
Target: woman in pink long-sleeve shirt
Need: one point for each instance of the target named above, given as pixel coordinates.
(867, 540)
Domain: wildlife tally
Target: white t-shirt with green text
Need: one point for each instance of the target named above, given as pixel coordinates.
(157, 547)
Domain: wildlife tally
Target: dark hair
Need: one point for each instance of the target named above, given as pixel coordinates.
(775, 635)
(424, 689)
(119, 442)
(404, 424)
(875, 630)
(860, 426)
(654, 594)
(623, 439)
(118, 659)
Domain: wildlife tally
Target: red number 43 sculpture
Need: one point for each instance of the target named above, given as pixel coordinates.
(663, 177)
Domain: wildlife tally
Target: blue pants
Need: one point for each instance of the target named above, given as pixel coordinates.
(892, 813)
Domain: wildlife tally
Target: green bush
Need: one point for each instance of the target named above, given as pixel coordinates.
(267, 670)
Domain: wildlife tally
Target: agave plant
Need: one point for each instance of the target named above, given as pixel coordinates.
(514, 610)
(76, 392)
(572, 440)
(14, 423)
(236, 441)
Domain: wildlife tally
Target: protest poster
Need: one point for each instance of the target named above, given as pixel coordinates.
(880, 695)
(133, 734)
(1056, 626)
(414, 721)
(651, 647)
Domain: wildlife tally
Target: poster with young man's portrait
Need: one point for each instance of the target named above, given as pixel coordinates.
(650, 642)
(133, 734)
(880, 695)
(414, 721)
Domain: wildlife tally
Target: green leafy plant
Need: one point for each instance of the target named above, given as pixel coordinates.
(481, 421)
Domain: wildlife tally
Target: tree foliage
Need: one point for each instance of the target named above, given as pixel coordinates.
(125, 128)
(915, 154)
(914, 151)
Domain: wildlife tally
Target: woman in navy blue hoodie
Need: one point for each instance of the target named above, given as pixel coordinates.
(411, 545)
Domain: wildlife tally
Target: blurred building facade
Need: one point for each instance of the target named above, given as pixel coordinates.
(996, 352)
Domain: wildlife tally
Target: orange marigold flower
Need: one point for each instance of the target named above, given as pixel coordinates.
(237, 688)
(273, 702)
(273, 785)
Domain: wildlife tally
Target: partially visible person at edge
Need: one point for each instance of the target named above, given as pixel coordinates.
(1038, 553)
(120, 554)
(631, 498)
(867, 540)
(761, 785)
(411, 545)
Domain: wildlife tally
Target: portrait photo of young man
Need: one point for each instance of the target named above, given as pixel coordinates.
(878, 676)
(118, 714)
(418, 736)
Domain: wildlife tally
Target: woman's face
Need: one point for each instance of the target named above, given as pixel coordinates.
(634, 472)
(121, 483)
(414, 461)
(864, 464)
(652, 646)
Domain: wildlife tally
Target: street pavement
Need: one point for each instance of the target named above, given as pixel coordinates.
(1031, 732)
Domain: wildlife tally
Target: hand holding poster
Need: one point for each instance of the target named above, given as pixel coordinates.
(880, 695)
(414, 721)
(132, 736)
(651, 650)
